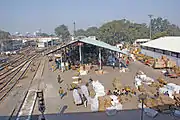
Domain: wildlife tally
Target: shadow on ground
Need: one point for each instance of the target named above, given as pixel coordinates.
(120, 115)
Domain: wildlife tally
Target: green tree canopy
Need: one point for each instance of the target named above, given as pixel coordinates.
(124, 30)
(62, 31)
(44, 35)
(162, 27)
(4, 35)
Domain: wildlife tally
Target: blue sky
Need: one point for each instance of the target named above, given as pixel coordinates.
(30, 15)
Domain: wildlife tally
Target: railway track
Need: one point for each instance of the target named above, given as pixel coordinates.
(15, 61)
(13, 70)
(16, 110)
(12, 60)
(13, 77)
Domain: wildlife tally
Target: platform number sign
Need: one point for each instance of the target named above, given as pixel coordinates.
(41, 103)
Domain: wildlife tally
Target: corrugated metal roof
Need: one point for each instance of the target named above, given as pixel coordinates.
(170, 43)
(93, 42)
(101, 44)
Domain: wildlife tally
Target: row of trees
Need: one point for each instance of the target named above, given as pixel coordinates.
(123, 30)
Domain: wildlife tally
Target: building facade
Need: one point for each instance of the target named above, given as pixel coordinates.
(165, 46)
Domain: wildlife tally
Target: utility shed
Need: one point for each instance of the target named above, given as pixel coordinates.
(169, 46)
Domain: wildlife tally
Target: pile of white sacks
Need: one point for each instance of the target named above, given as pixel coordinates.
(142, 78)
(100, 91)
(171, 88)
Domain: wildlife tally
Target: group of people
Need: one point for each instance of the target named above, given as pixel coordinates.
(119, 93)
(80, 98)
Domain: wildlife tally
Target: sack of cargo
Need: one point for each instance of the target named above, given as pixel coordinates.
(82, 67)
(170, 64)
(141, 88)
(101, 104)
(92, 93)
(94, 104)
(104, 102)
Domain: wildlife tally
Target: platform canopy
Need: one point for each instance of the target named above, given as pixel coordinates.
(98, 44)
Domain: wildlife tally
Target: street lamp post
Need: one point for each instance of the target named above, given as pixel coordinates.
(150, 34)
(142, 97)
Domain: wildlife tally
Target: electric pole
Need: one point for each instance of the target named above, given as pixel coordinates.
(150, 33)
(74, 29)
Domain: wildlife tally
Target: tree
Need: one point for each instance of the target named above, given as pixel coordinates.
(62, 31)
(4, 35)
(80, 32)
(44, 35)
(124, 30)
(162, 27)
(92, 31)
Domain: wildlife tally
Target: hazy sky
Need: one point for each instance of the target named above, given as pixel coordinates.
(30, 15)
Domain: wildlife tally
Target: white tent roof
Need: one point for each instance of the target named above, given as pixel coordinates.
(169, 43)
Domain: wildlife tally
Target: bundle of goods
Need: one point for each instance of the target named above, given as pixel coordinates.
(162, 81)
(177, 70)
(140, 57)
(142, 78)
(88, 67)
(164, 58)
(82, 67)
(177, 99)
(171, 89)
(141, 88)
(98, 88)
(92, 93)
(133, 57)
(117, 84)
(73, 67)
(166, 102)
(115, 103)
(104, 102)
(101, 72)
(73, 86)
(156, 84)
(161, 103)
(170, 64)
(149, 62)
(159, 64)
(94, 104)
(83, 72)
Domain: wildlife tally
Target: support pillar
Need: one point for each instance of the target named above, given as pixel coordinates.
(100, 62)
(80, 54)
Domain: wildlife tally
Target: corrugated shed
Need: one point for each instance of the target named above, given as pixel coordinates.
(170, 43)
(101, 44)
(93, 42)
